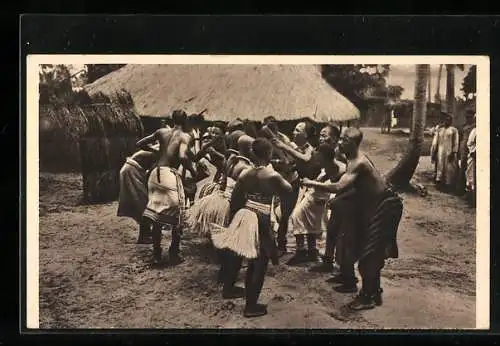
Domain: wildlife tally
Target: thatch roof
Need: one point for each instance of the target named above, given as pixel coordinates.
(62, 128)
(229, 91)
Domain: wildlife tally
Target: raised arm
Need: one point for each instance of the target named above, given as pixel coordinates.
(146, 141)
(292, 151)
(346, 181)
(204, 150)
(216, 153)
(274, 139)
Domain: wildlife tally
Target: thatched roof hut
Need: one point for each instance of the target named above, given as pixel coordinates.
(229, 91)
(93, 137)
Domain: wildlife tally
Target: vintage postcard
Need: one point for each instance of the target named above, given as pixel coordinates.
(197, 191)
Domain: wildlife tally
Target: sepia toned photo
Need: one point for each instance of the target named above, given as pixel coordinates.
(245, 192)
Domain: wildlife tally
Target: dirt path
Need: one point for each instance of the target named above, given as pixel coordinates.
(93, 275)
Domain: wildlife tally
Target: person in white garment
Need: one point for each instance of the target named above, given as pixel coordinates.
(444, 152)
(470, 171)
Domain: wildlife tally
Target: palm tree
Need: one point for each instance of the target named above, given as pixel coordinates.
(401, 174)
(438, 87)
(429, 95)
(450, 87)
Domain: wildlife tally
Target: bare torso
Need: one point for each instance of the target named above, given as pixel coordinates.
(263, 180)
(170, 143)
(369, 183)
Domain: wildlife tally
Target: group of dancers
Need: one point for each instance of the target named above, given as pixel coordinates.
(258, 177)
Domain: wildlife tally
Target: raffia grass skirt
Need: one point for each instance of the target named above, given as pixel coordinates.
(241, 236)
(211, 209)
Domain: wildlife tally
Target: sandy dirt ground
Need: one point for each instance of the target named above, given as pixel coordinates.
(94, 275)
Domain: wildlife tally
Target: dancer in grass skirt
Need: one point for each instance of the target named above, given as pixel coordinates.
(212, 207)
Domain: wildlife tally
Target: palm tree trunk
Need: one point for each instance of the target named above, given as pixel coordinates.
(401, 174)
(438, 87)
(429, 94)
(450, 89)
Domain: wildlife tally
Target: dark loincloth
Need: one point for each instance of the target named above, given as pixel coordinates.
(345, 208)
(379, 236)
(133, 196)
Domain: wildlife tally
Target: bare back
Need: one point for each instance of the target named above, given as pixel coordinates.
(171, 141)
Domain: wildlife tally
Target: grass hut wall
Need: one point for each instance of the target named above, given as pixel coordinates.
(94, 139)
(228, 91)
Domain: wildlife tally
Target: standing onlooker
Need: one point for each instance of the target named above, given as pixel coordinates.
(444, 151)
(464, 151)
(433, 153)
(471, 167)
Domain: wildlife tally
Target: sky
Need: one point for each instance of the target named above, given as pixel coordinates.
(403, 75)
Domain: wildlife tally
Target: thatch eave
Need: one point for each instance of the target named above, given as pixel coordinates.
(229, 91)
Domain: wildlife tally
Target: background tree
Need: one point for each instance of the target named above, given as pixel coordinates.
(357, 81)
(55, 84)
(450, 87)
(395, 91)
(469, 83)
(402, 173)
(437, 97)
(96, 71)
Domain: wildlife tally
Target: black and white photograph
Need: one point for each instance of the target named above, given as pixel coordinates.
(237, 192)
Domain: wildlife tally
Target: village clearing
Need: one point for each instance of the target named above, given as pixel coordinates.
(94, 275)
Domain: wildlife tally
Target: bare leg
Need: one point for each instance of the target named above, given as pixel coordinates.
(230, 269)
(145, 235)
(331, 238)
(287, 203)
(300, 253)
(157, 242)
(347, 279)
(174, 250)
(371, 292)
(256, 273)
(312, 250)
